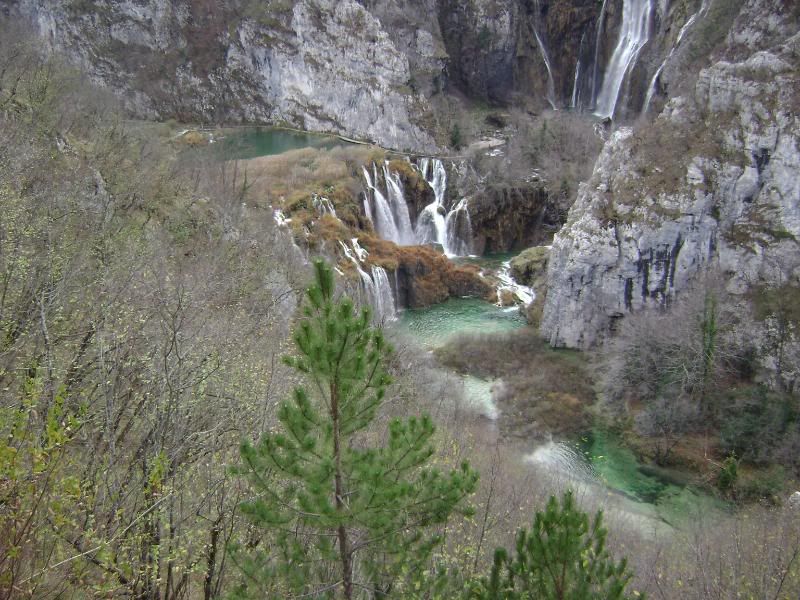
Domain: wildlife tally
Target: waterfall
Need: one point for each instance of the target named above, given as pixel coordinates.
(598, 37)
(458, 228)
(523, 293)
(397, 201)
(387, 209)
(451, 229)
(323, 205)
(575, 101)
(431, 222)
(653, 88)
(634, 34)
(375, 286)
(551, 89)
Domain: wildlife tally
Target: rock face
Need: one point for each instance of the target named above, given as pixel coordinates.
(712, 183)
(529, 267)
(366, 69)
(321, 65)
(424, 276)
(511, 218)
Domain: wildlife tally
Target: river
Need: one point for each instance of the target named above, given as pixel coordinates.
(595, 461)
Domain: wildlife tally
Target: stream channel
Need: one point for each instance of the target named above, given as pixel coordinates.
(595, 462)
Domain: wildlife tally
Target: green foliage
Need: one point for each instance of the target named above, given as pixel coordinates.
(35, 483)
(561, 557)
(728, 473)
(330, 501)
(758, 425)
(456, 137)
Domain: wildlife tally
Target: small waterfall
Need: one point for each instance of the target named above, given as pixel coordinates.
(596, 64)
(458, 228)
(634, 34)
(653, 88)
(323, 205)
(397, 201)
(431, 223)
(523, 293)
(375, 286)
(575, 100)
(654, 85)
(280, 218)
(551, 88)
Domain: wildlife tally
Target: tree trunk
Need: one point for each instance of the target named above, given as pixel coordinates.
(344, 551)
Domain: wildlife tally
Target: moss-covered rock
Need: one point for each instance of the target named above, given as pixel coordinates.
(530, 266)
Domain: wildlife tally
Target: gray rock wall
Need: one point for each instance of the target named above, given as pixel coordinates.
(322, 65)
(711, 183)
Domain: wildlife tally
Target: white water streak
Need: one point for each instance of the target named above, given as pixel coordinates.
(521, 293)
(633, 35)
(598, 39)
(653, 88)
(375, 286)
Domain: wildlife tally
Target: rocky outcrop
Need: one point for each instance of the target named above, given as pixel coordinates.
(424, 276)
(529, 267)
(511, 218)
(494, 53)
(712, 183)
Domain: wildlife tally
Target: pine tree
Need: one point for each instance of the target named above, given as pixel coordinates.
(343, 516)
(562, 557)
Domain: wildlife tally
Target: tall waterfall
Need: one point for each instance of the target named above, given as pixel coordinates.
(551, 88)
(575, 100)
(653, 88)
(596, 64)
(634, 34)
(375, 286)
(436, 224)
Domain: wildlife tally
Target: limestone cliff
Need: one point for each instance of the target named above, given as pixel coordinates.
(711, 183)
(372, 69)
(322, 65)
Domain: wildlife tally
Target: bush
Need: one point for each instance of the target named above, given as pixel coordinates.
(756, 423)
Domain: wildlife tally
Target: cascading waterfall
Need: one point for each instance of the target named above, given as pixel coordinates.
(323, 205)
(374, 285)
(431, 222)
(523, 293)
(388, 211)
(634, 34)
(458, 228)
(596, 64)
(653, 88)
